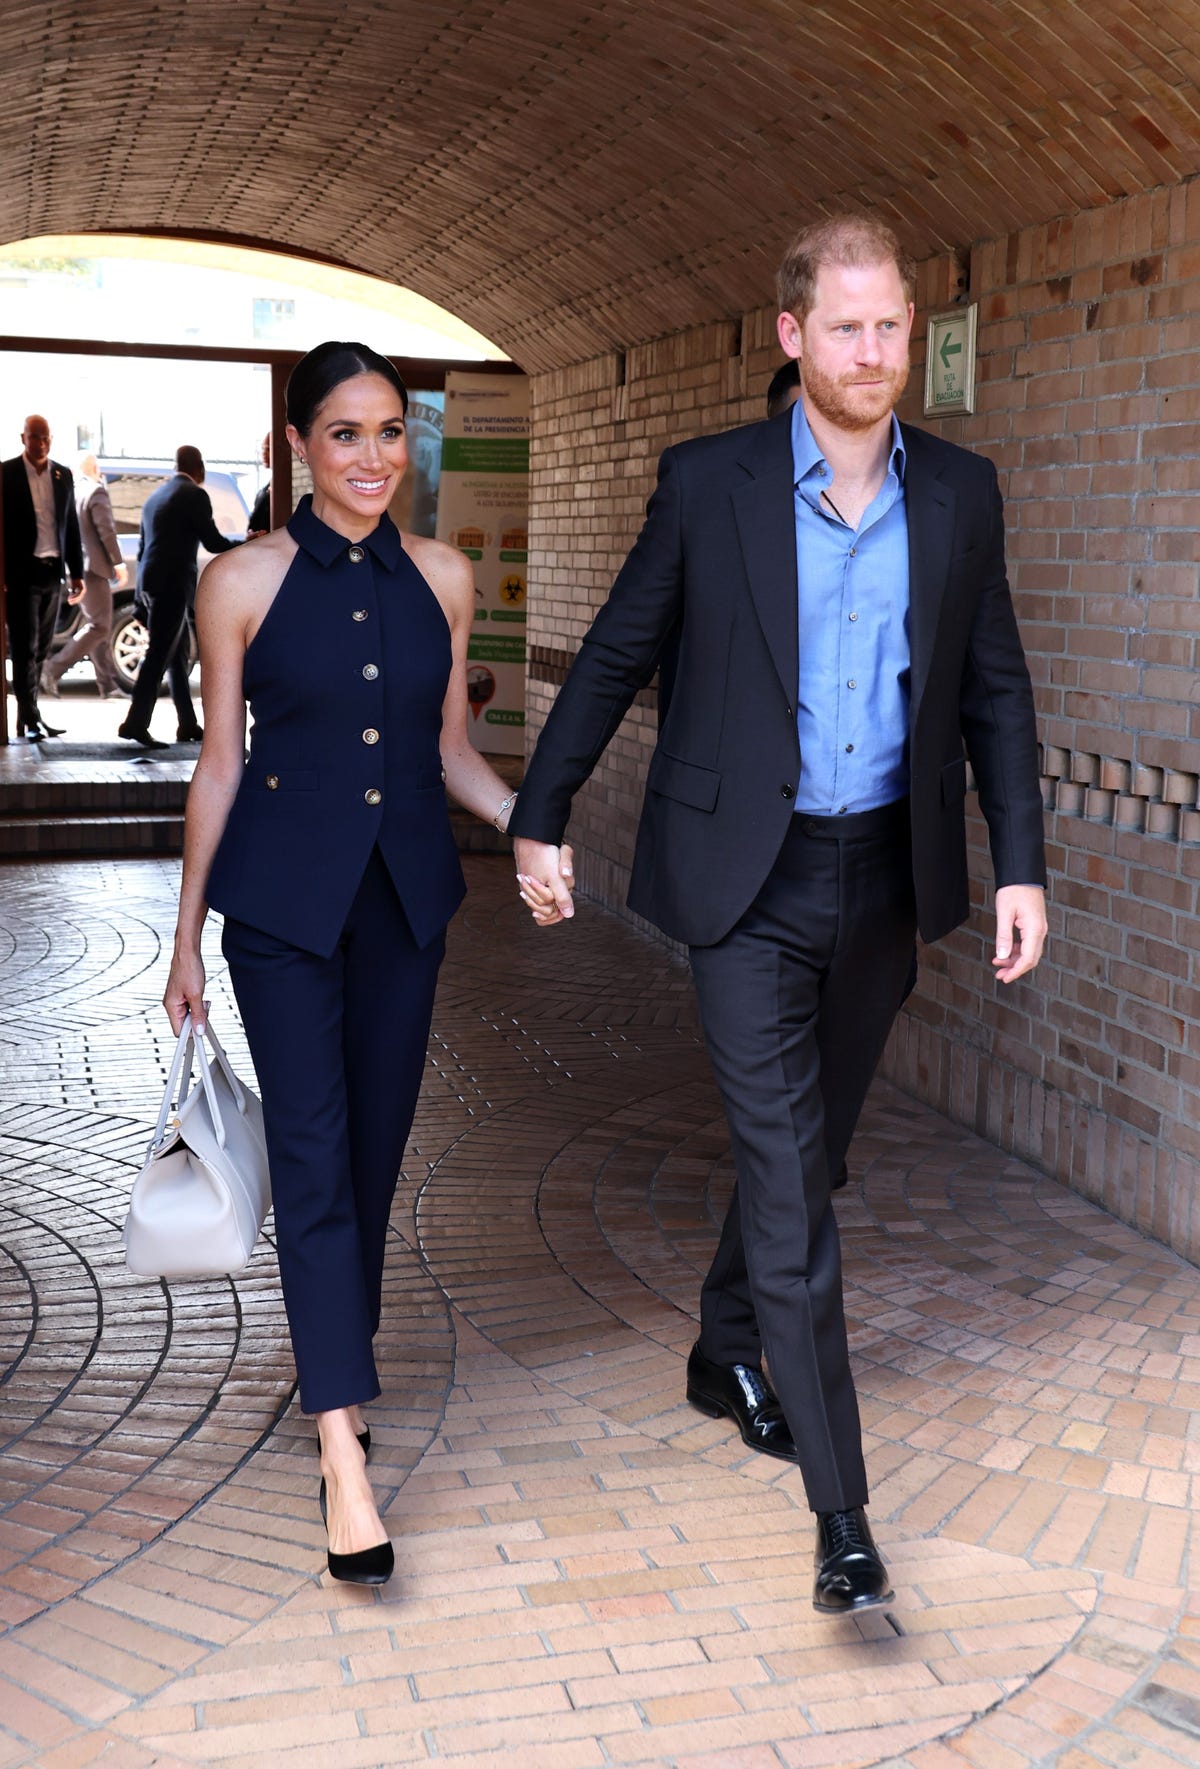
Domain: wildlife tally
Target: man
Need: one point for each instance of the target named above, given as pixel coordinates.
(102, 563)
(177, 520)
(845, 631)
(41, 540)
(260, 515)
(784, 388)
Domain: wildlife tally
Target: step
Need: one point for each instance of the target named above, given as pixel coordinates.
(76, 831)
(143, 834)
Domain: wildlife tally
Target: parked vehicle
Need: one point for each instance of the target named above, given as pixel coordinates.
(129, 485)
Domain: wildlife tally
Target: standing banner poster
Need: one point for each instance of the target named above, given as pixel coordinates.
(483, 509)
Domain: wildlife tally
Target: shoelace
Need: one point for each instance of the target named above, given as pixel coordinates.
(843, 1530)
(751, 1384)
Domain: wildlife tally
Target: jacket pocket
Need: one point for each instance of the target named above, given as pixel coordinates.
(954, 781)
(684, 781)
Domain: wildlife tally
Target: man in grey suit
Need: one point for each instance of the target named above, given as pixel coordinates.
(102, 562)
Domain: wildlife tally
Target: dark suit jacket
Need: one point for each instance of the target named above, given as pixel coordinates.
(177, 520)
(716, 560)
(20, 522)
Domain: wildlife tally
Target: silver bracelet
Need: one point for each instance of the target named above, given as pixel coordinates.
(510, 800)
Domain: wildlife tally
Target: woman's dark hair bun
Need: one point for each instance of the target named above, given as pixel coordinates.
(316, 375)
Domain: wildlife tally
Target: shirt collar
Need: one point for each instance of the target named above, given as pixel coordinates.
(806, 455)
(325, 544)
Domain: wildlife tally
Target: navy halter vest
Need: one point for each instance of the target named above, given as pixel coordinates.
(345, 680)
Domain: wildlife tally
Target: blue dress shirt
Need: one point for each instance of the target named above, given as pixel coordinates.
(853, 692)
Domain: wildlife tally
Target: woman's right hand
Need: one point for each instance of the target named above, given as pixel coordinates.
(184, 993)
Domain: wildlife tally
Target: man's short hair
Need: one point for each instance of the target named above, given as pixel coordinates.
(784, 382)
(854, 241)
(189, 460)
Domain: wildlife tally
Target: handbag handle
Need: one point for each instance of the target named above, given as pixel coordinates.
(191, 1040)
(235, 1086)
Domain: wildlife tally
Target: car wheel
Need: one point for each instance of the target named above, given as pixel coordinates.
(129, 640)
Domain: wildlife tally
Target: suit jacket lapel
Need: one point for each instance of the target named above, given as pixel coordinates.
(929, 505)
(60, 494)
(764, 510)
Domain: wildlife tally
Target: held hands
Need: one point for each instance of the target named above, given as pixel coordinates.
(185, 992)
(545, 880)
(1020, 930)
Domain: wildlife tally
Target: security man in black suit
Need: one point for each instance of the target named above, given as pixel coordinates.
(846, 640)
(177, 520)
(41, 544)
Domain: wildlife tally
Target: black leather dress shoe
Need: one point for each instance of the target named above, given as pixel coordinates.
(369, 1566)
(737, 1392)
(849, 1572)
(136, 734)
(189, 734)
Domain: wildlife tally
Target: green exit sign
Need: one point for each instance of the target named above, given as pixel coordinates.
(950, 362)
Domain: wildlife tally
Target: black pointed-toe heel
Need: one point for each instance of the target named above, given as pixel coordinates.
(370, 1566)
(364, 1441)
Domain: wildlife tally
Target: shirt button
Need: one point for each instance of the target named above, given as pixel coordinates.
(852, 683)
(787, 792)
(853, 551)
(854, 617)
(359, 614)
(370, 671)
(356, 555)
(841, 810)
(272, 782)
(849, 749)
(370, 735)
(373, 796)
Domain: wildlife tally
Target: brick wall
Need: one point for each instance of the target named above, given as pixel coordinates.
(1089, 404)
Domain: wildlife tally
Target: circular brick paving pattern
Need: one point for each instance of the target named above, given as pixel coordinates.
(588, 1571)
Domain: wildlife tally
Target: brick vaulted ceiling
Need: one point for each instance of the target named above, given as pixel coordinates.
(574, 175)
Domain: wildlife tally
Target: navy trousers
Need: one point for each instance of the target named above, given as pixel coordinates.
(166, 654)
(797, 1001)
(339, 1046)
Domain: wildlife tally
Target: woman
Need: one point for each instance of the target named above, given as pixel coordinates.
(330, 854)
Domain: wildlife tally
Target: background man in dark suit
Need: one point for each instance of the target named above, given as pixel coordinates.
(784, 388)
(177, 520)
(837, 584)
(41, 544)
(260, 515)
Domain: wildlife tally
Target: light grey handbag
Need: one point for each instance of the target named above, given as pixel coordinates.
(199, 1202)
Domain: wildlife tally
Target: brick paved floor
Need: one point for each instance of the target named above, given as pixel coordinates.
(589, 1573)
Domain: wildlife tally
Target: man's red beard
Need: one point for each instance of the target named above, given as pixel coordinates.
(847, 402)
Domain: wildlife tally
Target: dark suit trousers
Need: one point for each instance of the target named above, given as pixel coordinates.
(797, 1002)
(339, 1047)
(32, 612)
(166, 650)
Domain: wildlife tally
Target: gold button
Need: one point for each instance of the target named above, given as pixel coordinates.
(272, 782)
(359, 614)
(370, 735)
(373, 796)
(357, 555)
(370, 671)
